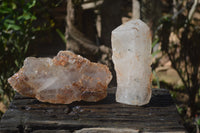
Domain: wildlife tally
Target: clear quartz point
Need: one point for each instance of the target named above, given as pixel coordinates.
(131, 47)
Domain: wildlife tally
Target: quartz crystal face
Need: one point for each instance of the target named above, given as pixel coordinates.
(131, 47)
(65, 78)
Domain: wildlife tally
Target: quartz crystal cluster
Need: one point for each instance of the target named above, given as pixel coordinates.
(65, 78)
(131, 46)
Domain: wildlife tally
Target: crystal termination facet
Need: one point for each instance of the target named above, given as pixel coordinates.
(131, 46)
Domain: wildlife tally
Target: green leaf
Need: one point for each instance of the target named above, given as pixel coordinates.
(26, 16)
(157, 79)
(5, 10)
(13, 26)
(9, 21)
(33, 17)
(16, 63)
(26, 48)
(154, 43)
(14, 6)
(179, 109)
(36, 29)
(198, 122)
(3, 4)
(30, 5)
(61, 35)
(1, 92)
(155, 53)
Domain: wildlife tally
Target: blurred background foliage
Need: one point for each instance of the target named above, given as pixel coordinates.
(16, 31)
(37, 28)
(179, 33)
(20, 22)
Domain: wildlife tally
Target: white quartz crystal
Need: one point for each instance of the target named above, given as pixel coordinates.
(131, 46)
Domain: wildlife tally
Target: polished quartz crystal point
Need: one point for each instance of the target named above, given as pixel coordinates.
(65, 78)
(131, 46)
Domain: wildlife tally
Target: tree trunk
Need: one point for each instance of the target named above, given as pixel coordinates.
(151, 12)
(76, 31)
(192, 104)
(110, 19)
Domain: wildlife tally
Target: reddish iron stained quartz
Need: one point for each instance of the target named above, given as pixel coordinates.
(64, 79)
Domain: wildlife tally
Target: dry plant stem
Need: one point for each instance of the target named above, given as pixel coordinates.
(191, 12)
(188, 77)
(75, 34)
